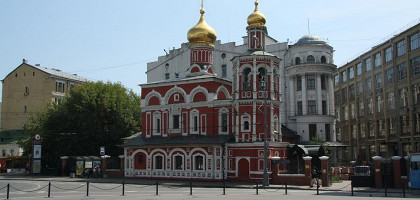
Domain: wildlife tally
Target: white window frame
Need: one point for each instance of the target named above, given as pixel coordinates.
(194, 113)
(163, 162)
(221, 112)
(204, 162)
(156, 116)
(174, 162)
(245, 118)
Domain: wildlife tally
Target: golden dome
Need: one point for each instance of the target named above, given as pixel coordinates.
(256, 18)
(202, 33)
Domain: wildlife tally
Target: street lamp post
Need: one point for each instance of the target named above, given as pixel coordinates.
(265, 173)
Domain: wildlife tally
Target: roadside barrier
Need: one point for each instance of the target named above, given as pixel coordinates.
(97, 187)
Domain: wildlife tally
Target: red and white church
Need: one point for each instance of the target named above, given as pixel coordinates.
(200, 126)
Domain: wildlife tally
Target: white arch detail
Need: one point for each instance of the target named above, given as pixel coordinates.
(151, 94)
(199, 89)
(222, 89)
(173, 90)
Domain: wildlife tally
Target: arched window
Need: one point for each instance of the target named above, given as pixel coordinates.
(323, 59)
(310, 59)
(199, 162)
(178, 160)
(158, 162)
(246, 79)
(262, 79)
(297, 61)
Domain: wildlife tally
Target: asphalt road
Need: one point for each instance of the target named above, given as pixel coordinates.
(22, 189)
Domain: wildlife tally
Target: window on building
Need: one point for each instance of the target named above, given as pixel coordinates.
(298, 83)
(157, 126)
(310, 59)
(246, 79)
(370, 105)
(311, 107)
(351, 92)
(405, 124)
(378, 80)
(159, 162)
(198, 163)
(360, 88)
(323, 59)
(415, 64)
(361, 108)
(246, 125)
(178, 163)
(224, 71)
(368, 63)
(324, 107)
(391, 100)
(414, 41)
(362, 130)
(344, 95)
(338, 114)
(401, 48)
(140, 159)
(24, 109)
(391, 126)
(297, 61)
(370, 129)
(336, 80)
(352, 111)
(195, 123)
(402, 71)
(310, 82)
(224, 122)
(415, 92)
(312, 131)
(167, 76)
(323, 82)
(337, 98)
(390, 75)
(403, 97)
(346, 113)
(388, 54)
(59, 86)
(176, 75)
(299, 108)
(262, 79)
(378, 61)
(351, 72)
(369, 84)
(344, 76)
(175, 121)
(359, 70)
(379, 103)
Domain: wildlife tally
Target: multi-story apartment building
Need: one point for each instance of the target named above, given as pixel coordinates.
(28, 89)
(377, 101)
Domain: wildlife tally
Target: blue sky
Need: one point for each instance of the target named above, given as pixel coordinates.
(113, 40)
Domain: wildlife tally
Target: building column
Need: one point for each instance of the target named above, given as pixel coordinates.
(330, 99)
(308, 169)
(377, 167)
(104, 163)
(292, 98)
(304, 100)
(397, 171)
(254, 79)
(254, 121)
(324, 171)
(318, 94)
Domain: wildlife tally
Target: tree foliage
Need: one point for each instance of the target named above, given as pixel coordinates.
(95, 114)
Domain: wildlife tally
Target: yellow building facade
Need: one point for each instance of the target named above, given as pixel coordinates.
(30, 88)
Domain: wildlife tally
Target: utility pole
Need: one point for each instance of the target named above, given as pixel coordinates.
(265, 173)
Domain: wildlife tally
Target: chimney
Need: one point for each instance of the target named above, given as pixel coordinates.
(24, 61)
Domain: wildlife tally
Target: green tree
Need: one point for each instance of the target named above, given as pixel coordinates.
(94, 114)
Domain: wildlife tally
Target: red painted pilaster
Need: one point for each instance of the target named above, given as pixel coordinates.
(397, 171)
(324, 171)
(308, 169)
(378, 174)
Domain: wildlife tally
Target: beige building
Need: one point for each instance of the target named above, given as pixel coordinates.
(377, 101)
(28, 89)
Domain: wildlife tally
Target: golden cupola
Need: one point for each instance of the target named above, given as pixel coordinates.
(202, 34)
(256, 18)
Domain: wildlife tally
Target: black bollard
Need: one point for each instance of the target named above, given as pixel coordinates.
(123, 187)
(157, 188)
(403, 189)
(351, 188)
(8, 189)
(190, 188)
(49, 189)
(224, 187)
(285, 188)
(317, 187)
(386, 191)
(257, 190)
(87, 188)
